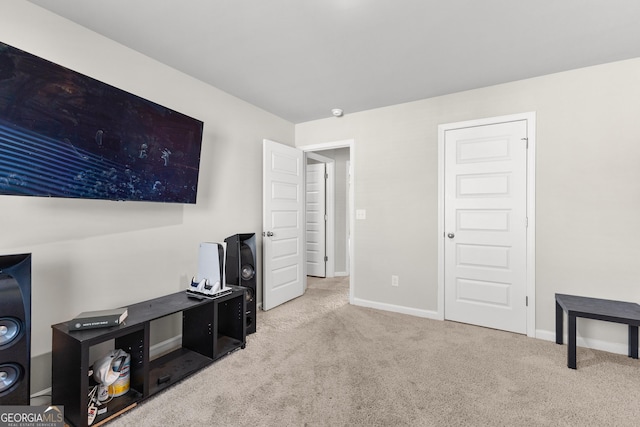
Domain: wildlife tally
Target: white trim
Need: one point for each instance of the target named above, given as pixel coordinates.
(318, 157)
(429, 314)
(531, 224)
(45, 392)
(165, 346)
(590, 343)
(349, 192)
(345, 143)
(351, 145)
(530, 117)
(440, 309)
(330, 207)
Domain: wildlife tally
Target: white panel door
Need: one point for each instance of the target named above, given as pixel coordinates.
(316, 220)
(485, 225)
(283, 222)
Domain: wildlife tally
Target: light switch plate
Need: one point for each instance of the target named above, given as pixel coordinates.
(361, 214)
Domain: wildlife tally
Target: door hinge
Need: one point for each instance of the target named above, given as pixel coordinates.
(526, 301)
(326, 258)
(326, 217)
(326, 176)
(526, 221)
(526, 140)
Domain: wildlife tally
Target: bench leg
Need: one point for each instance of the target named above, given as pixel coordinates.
(571, 351)
(633, 341)
(559, 321)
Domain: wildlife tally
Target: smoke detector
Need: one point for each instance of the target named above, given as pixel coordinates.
(337, 112)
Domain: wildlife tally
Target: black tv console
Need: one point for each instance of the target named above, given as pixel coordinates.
(211, 329)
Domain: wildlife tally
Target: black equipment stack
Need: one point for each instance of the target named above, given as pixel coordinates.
(15, 329)
(241, 266)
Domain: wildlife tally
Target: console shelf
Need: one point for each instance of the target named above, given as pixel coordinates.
(172, 367)
(211, 329)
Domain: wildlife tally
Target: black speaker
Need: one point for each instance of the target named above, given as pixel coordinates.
(240, 268)
(15, 329)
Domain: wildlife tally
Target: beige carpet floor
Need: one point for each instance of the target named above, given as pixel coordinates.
(318, 361)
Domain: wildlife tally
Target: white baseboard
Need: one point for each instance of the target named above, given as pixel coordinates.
(340, 273)
(165, 346)
(545, 335)
(611, 347)
(45, 394)
(396, 308)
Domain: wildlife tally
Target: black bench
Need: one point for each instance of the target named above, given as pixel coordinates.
(595, 308)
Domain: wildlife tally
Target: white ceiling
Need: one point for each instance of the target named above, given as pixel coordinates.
(300, 58)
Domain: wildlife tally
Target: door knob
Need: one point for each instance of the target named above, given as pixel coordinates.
(269, 233)
(451, 235)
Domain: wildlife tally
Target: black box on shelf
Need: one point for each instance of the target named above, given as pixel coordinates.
(98, 319)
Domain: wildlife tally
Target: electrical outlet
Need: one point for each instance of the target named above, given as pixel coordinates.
(395, 281)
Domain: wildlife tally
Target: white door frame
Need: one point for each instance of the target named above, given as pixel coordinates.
(351, 145)
(531, 193)
(330, 210)
(349, 191)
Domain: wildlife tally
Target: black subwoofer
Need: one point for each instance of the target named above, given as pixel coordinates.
(15, 329)
(241, 267)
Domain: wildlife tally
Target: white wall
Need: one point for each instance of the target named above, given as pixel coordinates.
(588, 190)
(90, 255)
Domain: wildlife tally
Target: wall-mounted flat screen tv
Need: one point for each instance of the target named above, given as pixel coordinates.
(64, 134)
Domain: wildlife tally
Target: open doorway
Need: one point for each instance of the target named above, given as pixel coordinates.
(338, 159)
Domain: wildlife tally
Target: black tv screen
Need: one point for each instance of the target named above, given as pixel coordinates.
(64, 134)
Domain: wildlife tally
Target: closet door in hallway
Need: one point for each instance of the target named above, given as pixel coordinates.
(316, 220)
